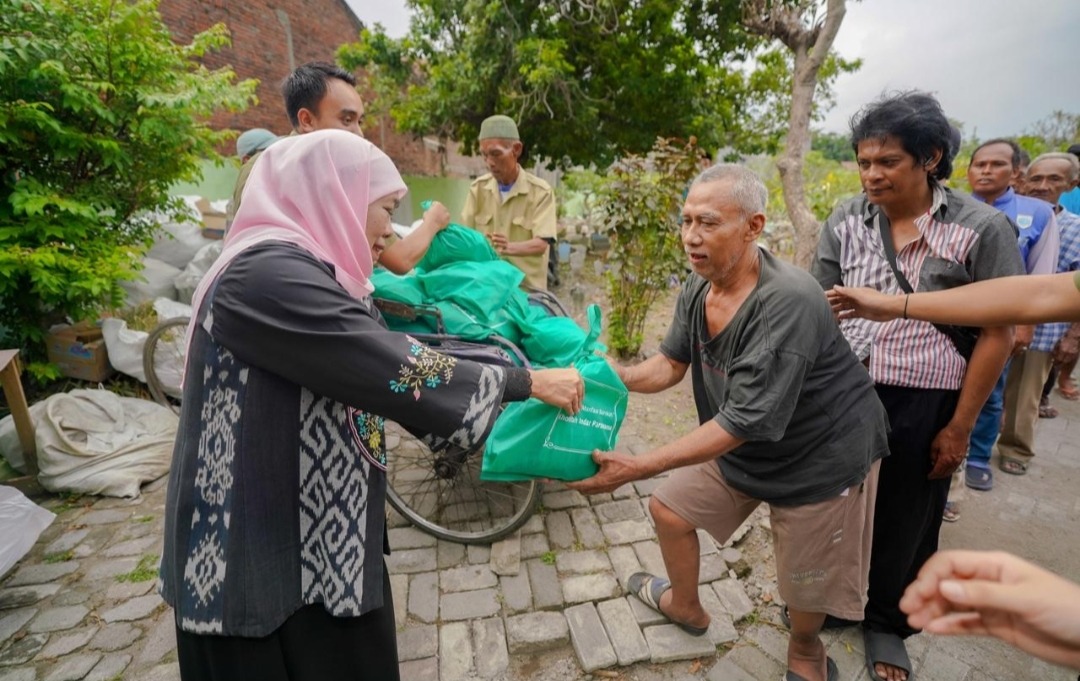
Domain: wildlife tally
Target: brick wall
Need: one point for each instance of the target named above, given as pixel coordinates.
(261, 36)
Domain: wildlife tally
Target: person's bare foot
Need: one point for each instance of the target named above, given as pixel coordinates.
(692, 614)
(808, 659)
(889, 672)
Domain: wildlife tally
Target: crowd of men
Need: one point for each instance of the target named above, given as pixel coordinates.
(851, 431)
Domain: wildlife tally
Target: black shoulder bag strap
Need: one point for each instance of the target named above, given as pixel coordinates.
(963, 337)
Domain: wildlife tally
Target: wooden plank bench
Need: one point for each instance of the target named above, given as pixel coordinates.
(16, 400)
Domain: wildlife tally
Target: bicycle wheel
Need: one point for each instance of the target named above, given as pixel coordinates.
(163, 361)
(441, 492)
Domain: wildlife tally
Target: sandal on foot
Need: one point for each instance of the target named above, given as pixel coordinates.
(831, 622)
(977, 477)
(885, 648)
(952, 512)
(831, 672)
(1069, 393)
(1013, 466)
(1047, 412)
(649, 588)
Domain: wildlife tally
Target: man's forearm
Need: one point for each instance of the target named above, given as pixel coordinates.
(535, 246)
(704, 443)
(984, 368)
(653, 375)
(403, 254)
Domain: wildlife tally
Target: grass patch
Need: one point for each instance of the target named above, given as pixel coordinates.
(62, 557)
(146, 570)
(142, 519)
(548, 558)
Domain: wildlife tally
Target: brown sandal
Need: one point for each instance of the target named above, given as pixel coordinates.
(1013, 466)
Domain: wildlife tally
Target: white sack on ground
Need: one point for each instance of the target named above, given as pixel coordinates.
(176, 243)
(155, 281)
(96, 442)
(21, 521)
(189, 279)
(125, 347)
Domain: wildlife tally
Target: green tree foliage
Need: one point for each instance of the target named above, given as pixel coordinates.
(586, 80)
(638, 201)
(834, 146)
(100, 112)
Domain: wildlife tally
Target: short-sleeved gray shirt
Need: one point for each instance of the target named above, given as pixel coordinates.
(782, 377)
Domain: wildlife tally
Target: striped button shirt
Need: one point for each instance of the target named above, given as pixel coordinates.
(1047, 335)
(960, 241)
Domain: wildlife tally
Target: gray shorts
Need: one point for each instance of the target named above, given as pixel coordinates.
(822, 550)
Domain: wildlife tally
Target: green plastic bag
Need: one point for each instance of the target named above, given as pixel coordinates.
(457, 244)
(404, 289)
(535, 440)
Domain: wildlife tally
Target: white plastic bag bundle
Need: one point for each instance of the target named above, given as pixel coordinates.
(189, 279)
(176, 243)
(125, 347)
(96, 442)
(155, 281)
(21, 522)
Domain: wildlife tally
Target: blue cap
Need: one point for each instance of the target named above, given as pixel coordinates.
(254, 140)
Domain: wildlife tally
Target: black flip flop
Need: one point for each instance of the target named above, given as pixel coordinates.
(649, 588)
(883, 647)
(831, 622)
(831, 673)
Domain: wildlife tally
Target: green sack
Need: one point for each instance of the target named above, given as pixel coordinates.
(535, 440)
(406, 289)
(480, 287)
(457, 244)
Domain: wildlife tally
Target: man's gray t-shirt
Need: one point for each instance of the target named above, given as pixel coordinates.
(782, 377)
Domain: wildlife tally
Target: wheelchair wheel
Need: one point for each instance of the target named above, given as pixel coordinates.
(163, 361)
(441, 492)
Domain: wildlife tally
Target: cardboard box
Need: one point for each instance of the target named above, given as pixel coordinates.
(213, 220)
(79, 351)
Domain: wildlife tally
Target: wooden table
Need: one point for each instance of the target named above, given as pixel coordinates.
(16, 399)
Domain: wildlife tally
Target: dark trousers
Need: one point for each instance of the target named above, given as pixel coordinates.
(311, 645)
(907, 516)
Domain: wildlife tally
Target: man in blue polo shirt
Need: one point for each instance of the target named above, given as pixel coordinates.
(994, 166)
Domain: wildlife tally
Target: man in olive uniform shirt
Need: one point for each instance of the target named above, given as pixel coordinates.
(512, 207)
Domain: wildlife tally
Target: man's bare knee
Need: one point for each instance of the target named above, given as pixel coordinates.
(667, 520)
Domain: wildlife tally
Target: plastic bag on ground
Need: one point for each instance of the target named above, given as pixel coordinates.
(154, 281)
(535, 440)
(176, 243)
(187, 281)
(21, 522)
(125, 347)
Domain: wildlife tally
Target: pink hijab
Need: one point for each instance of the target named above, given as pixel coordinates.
(312, 190)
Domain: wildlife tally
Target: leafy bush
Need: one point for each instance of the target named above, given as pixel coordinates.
(640, 199)
(100, 112)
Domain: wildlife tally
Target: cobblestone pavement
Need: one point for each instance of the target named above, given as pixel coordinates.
(546, 604)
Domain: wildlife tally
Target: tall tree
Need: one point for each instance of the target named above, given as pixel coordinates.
(807, 28)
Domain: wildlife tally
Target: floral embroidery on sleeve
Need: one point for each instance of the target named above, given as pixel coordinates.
(368, 431)
(426, 368)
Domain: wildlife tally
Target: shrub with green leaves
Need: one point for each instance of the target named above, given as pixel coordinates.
(640, 198)
(100, 113)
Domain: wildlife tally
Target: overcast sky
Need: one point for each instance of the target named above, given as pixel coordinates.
(996, 65)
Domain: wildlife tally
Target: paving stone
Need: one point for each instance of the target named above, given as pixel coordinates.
(536, 631)
(104, 517)
(115, 636)
(109, 569)
(478, 554)
(706, 544)
(645, 488)
(122, 591)
(645, 616)
(544, 580)
(411, 560)
(424, 596)
(18, 675)
(63, 644)
(623, 631)
(534, 546)
(627, 491)
(468, 578)
(556, 501)
(590, 640)
(721, 628)
(628, 531)
(110, 667)
(946, 667)
(560, 531)
(595, 587)
(534, 524)
(757, 664)
(740, 532)
(489, 646)
(731, 556)
(414, 643)
(506, 555)
(726, 670)
(66, 542)
(73, 668)
(42, 573)
(399, 589)
(588, 529)
(652, 561)
(668, 642)
(135, 547)
(135, 609)
(467, 605)
(711, 568)
(629, 509)
(409, 538)
(516, 592)
(733, 598)
(772, 641)
(18, 598)
(58, 619)
(624, 562)
(455, 646)
(20, 652)
(582, 562)
(73, 594)
(169, 671)
(450, 554)
(159, 641)
(420, 670)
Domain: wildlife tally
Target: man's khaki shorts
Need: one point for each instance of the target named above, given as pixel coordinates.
(822, 549)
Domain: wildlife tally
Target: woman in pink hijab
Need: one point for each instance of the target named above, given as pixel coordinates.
(274, 534)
